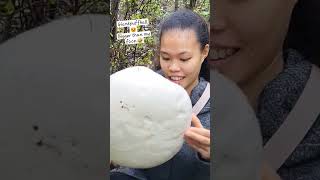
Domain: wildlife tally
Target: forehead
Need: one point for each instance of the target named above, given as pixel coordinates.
(179, 40)
(179, 33)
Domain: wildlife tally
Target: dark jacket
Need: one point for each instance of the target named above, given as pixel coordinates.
(186, 164)
(275, 103)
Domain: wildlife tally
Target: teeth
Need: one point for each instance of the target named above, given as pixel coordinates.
(222, 54)
(229, 52)
(176, 78)
(216, 53)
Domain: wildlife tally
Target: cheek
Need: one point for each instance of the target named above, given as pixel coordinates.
(261, 38)
(261, 20)
(192, 68)
(164, 66)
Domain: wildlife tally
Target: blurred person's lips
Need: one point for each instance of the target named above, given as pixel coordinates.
(220, 54)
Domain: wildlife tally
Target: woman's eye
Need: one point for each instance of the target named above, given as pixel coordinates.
(185, 59)
(165, 58)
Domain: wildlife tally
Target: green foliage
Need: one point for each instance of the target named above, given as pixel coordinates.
(203, 8)
(6, 8)
(52, 2)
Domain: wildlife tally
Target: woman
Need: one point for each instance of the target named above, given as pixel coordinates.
(184, 46)
(248, 46)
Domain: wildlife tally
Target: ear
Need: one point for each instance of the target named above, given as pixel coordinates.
(205, 52)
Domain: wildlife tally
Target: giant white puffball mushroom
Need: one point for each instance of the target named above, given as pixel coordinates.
(148, 117)
(237, 141)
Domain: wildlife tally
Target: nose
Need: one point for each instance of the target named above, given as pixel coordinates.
(174, 66)
(217, 17)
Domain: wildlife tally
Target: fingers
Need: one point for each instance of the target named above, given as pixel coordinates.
(201, 131)
(196, 122)
(205, 154)
(203, 150)
(195, 143)
(198, 137)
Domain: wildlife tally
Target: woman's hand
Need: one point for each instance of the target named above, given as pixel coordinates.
(198, 138)
(112, 165)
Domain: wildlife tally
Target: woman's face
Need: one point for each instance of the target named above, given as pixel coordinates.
(181, 57)
(246, 36)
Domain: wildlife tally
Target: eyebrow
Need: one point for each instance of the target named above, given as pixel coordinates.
(184, 52)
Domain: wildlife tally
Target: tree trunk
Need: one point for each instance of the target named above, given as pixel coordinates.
(176, 4)
(192, 4)
(114, 15)
(185, 3)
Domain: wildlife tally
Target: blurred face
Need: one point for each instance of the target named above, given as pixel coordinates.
(181, 57)
(246, 36)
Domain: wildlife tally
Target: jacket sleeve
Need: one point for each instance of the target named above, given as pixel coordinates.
(124, 173)
(304, 171)
(120, 176)
(203, 168)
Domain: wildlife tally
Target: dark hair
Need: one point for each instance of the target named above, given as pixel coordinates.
(187, 19)
(304, 30)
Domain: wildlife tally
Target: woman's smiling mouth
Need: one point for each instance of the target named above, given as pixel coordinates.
(219, 55)
(176, 79)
